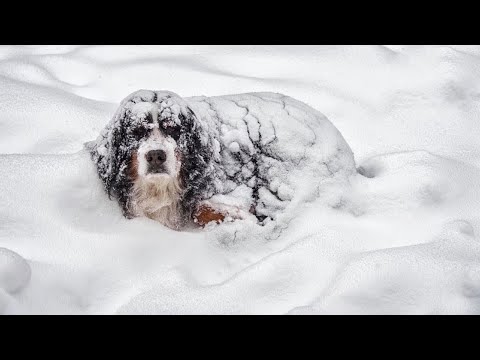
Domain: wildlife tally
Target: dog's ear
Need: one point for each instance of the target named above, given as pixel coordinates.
(197, 154)
(112, 153)
(118, 182)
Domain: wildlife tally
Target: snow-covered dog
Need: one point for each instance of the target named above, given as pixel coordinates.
(201, 159)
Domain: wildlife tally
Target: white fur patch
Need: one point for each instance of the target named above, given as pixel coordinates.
(157, 141)
(157, 196)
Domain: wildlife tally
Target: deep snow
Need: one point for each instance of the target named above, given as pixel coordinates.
(402, 238)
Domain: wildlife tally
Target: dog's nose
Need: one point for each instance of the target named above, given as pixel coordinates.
(156, 157)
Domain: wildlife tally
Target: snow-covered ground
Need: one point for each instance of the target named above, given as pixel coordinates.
(403, 238)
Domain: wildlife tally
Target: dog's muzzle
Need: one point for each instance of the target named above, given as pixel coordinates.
(156, 160)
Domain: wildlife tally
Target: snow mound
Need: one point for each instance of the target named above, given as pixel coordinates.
(14, 271)
(414, 180)
(47, 119)
(279, 147)
(264, 152)
(439, 277)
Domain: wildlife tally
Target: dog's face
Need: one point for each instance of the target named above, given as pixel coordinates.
(157, 157)
(154, 147)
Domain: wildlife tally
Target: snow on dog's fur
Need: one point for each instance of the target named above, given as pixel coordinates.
(175, 160)
(157, 195)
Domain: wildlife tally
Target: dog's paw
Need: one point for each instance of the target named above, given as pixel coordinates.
(207, 213)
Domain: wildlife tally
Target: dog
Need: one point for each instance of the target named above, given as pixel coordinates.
(198, 160)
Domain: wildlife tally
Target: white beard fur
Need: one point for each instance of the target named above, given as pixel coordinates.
(158, 198)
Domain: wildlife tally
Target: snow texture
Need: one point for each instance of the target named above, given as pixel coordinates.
(14, 271)
(259, 151)
(398, 237)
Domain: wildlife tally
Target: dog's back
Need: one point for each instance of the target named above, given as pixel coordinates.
(269, 147)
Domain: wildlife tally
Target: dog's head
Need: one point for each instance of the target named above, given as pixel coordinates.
(156, 154)
(154, 139)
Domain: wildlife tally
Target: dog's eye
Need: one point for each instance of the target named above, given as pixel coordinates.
(173, 131)
(139, 132)
(169, 128)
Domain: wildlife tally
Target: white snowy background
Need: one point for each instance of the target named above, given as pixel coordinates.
(408, 243)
